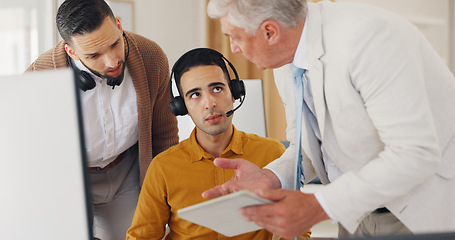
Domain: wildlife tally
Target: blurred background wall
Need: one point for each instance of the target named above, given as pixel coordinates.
(27, 29)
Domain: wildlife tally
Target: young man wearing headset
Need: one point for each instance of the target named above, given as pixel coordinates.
(123, 79)
(178, 176)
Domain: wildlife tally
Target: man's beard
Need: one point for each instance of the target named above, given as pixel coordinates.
(116, 80)
(110, 80)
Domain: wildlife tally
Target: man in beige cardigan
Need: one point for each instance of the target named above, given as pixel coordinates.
(123, 79)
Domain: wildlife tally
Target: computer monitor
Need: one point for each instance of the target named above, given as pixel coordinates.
(43, 179)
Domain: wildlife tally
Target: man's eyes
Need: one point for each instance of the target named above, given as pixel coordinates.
(198, 94)
(195, 95)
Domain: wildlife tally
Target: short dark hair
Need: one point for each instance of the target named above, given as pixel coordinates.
(77, 17)
(198, 57)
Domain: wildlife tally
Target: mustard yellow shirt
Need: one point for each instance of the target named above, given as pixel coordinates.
(177, 177)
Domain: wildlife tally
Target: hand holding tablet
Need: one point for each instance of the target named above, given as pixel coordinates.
(222, 214)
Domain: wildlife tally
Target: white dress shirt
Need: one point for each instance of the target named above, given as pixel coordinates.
(110, 118)
(301, 61)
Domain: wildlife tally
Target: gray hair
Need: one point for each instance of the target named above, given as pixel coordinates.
(250, 14)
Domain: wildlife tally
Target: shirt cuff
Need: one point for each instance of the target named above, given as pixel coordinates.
(282, 182)
(324, 206)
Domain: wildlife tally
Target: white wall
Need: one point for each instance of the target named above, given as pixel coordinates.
(26, 31)
(435, 19)
(176, 25)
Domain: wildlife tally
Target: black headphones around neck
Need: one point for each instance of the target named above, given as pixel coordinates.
(177, 105)
(86, 82)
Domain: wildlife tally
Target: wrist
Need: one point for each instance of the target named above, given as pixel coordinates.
(275, 181)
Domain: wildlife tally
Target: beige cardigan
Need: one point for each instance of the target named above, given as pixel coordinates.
(149, 68)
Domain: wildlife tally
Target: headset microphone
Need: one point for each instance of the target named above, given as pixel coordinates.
(229, 113)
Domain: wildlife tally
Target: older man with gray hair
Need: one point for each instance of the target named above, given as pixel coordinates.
(369, 110)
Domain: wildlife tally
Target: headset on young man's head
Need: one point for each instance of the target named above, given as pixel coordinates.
(86, 82)
(177, 105)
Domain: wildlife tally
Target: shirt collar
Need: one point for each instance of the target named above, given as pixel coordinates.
(301, 53)
(198, 153)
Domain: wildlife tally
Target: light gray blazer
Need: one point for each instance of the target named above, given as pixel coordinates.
(385, 104)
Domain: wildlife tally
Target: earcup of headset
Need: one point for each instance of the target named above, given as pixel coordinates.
(237, 88)
(178, 107)
(85, 81)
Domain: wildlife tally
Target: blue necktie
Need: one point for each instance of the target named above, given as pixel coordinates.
(298, 94)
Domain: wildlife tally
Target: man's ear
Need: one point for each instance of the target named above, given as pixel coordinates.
(271, 31)
(70, 51)
(119, 24)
